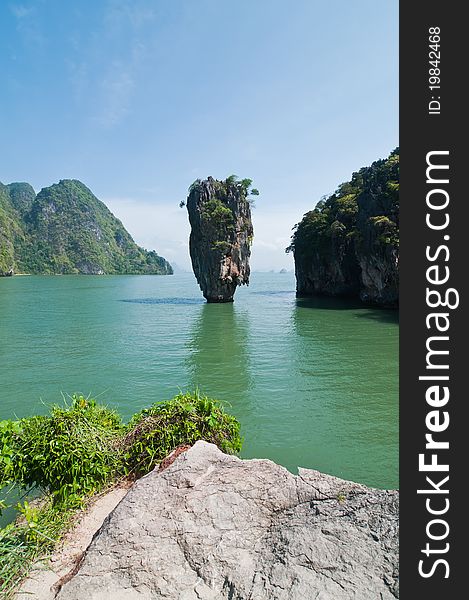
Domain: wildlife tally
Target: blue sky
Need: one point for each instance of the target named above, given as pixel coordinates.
(137, 98)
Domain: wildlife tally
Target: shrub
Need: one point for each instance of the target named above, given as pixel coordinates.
(217, 217)
(68, 453)
(79, 449)
(8, 431)
(154, 432)
(30, 538)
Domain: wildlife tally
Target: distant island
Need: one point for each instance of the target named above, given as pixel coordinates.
(348, 245)
(65, 229)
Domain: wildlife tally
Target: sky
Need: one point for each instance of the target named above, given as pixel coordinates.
(138, 98)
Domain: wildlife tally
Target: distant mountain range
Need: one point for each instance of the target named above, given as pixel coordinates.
(65, 229)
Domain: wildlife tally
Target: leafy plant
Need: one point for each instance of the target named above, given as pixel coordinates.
(67, 454)
(341, 497)
(221, 246)
(245, 186)
(9, 430)
(31, 537)
(80, 449)
(231, 180)
(154, 432)
(217, 215)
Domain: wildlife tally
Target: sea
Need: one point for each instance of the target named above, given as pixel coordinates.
(313, 382)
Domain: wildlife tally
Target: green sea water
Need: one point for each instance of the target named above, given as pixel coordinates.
(313, 382)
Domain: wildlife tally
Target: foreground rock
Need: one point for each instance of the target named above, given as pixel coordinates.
(221, 236)
(212, 526)
(47, 577)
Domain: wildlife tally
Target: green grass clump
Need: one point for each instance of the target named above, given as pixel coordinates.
(81, 449)
(30, 538)
(16, 557)
(154, 432)
(68, 454)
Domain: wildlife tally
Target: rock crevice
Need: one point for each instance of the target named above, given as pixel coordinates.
(212, 526)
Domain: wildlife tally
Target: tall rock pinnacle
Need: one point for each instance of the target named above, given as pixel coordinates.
(221, 235)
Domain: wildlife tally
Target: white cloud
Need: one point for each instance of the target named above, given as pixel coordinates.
(20, 11)
(113, 56)
(272, 230)
(164, 227)
(27, 25)
(117, 88)
(120, 13)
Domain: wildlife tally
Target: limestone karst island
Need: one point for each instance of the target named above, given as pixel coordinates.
(221, 235)
(65, 229)
(348, 245)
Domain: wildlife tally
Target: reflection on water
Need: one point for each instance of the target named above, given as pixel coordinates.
(348, 363)
(362, 312)
(218, 358)
(328, 303)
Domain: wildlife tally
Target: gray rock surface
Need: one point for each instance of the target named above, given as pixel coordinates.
(212, 526)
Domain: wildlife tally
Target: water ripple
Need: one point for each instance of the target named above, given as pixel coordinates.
(176, 301)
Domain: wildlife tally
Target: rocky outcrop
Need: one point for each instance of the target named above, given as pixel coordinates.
(212, 526)
(65, 229)
(221, 236)
(349, 244)
(22, 196)
(377, 244)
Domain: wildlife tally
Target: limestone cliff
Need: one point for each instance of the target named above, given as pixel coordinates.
(221, 235)
(65, 229)
(213, 526)
(349, 244)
